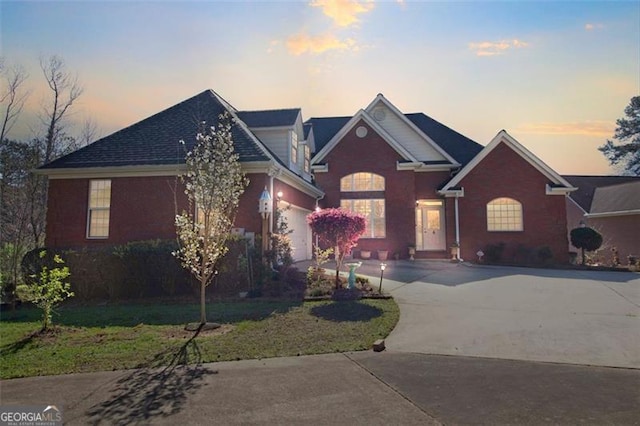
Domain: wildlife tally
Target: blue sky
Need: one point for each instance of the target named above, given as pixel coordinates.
(555, 75)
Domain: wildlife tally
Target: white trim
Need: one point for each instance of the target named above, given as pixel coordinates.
(380, 98)
(366, 117)
(577, 205)
(550, 190)
(452, 192)
(504, 137)
(113, 171)
(319, 168)
(421, 167)
(612, 214)
(266, 167)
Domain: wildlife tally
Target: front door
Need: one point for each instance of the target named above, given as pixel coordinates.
(430, 231)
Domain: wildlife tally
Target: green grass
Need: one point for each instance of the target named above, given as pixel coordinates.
(99, 338)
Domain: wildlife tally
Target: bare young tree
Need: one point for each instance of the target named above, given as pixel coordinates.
(65, 90)
(13, 96)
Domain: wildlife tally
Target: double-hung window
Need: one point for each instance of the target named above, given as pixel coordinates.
(99, 208)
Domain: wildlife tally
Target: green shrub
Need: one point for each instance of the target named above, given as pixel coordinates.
(48, 287)
(493, 252)
(544, 254)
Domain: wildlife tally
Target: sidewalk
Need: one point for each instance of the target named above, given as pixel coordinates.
(364, 388)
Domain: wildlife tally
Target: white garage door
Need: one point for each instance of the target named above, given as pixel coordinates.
(301, 236)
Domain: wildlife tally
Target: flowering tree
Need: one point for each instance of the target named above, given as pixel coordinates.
(213, 184)
(338, 228)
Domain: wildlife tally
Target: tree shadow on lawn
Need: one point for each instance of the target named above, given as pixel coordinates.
(348, 310)
(157, 389)
(132, 314)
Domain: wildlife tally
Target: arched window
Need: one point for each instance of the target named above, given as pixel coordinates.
(362, 181)
(504, 214)
(371, 206)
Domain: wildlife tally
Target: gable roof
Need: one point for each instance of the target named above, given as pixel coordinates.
(458, 146)
(270, 118)
(560, 185)
(363, 115)
(155, 140)
(587, 186)
(624, 197)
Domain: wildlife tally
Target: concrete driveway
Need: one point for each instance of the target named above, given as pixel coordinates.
(567, 316)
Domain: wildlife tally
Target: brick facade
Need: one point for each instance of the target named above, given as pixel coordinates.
(143, 208)
(504, 173)
(373, 154)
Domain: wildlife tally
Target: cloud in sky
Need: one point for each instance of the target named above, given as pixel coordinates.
(343, 12)
(493, 48)
(583, 128)
(593, 26)
(303, 43)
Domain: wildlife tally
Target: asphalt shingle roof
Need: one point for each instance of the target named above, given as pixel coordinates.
(155, 140)
(456, 145)
(587, 187)
(616, 198)
(270, 118)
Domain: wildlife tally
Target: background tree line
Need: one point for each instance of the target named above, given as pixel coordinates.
(23, 194)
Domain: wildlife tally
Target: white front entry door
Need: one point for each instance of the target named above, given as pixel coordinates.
(430, 226)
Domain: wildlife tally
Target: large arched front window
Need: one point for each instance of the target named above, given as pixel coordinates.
(504, 214)
(362, 181)
(370, 202)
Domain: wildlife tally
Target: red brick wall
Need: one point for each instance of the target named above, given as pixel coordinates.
(620, 232)
(373, 154)
(503, 173)
(141, 208)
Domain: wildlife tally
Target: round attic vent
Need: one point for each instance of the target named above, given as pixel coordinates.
(361, 132)
(379, 114)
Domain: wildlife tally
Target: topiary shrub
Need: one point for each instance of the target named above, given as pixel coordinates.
(586, 239)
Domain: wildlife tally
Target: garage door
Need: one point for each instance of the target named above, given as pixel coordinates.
(301, 233)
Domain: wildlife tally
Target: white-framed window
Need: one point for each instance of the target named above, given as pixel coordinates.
(362, 181)
(504, 214)
(99, 208)
(294, 147)
(307, 159)
(373, 210)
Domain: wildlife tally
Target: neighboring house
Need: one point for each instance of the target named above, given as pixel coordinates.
(418, 182)
(611, 205)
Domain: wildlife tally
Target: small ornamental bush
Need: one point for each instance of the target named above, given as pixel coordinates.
(47, 288)
(338, 228)
(586, 239)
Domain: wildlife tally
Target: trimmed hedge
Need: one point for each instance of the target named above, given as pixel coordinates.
(141, 269)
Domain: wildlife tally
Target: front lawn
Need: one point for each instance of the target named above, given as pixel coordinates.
(98, 338)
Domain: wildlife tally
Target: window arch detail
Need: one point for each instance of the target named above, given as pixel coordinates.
(504, 214)
(362, 181)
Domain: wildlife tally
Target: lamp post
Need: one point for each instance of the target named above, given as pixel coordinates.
(383, 266)
(265, 208)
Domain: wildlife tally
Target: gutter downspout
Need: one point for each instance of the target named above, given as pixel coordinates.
(457, 228)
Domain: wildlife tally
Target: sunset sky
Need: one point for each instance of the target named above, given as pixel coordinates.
(555, 75)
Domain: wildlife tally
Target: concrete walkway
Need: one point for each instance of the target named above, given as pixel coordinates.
(363, 388)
